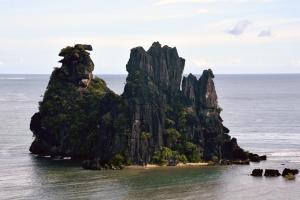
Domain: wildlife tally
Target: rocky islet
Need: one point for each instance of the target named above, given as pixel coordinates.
(161, 117)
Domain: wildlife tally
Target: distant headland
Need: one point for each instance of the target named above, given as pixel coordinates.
(161, 118)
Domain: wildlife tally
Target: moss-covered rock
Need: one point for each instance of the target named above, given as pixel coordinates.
(76, 119)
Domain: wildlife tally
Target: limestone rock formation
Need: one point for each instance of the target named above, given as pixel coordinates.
(153, 80)
(72, 116)
(159, 118)
(77, 66)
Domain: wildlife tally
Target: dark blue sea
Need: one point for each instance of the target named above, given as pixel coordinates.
(261, 111)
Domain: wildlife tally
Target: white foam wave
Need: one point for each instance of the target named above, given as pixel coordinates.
(12, 78)
(286, 154)
(294, 161)
(289, 156)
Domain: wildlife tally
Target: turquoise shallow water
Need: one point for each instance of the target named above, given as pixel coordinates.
(262, 111)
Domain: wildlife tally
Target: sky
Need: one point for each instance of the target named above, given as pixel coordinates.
(228, 36)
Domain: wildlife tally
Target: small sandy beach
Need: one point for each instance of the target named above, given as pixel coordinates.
(151, 166)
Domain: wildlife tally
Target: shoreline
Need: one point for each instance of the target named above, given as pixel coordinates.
(179, 165)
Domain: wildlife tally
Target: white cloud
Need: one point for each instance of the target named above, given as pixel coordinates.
(133, 40)
(295, 63)
(287, 30)
(50, 22)
(172, 16)
(1, 63)
(202, 11)
(265, 33)
(239, 28)
(203, 62)
(168, 2)
(235, 61)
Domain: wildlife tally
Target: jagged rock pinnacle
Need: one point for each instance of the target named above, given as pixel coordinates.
(77, 66)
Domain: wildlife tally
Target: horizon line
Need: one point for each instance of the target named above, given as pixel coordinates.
(297, 73)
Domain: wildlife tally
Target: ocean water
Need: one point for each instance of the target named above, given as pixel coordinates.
(262, 111)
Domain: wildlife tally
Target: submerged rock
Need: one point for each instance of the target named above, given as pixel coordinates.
(160, 118)
(257, 172)
(290, 177)
(287, 171)
(97, 164)
(254, 157)
(263, 157)
(91, 164)
(272, 172)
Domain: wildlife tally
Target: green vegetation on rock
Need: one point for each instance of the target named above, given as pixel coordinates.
(161, 117)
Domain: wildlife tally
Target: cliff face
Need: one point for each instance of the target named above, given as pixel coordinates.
(154, 120)
(154, 77)
(201, 96)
